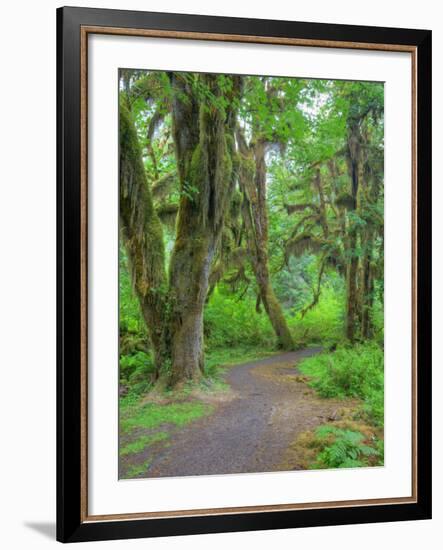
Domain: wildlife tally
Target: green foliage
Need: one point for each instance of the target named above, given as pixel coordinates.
(233, 322)
(189, 191)
(130, 318)
(293, 282)
(344, 448)
(374, 403)
(350, 372)
(378, 316)
(323, 324)
(135, 368)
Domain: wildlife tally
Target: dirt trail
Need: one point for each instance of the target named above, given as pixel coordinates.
(271, 405)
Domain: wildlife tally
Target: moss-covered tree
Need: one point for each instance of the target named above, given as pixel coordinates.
(142, 235)
(203, 113)
(203, 109)
(252, 182)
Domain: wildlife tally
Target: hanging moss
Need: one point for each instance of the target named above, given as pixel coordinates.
(205, 173)
(167, 212)
(142, 231)
(249, 167)
(164, 185)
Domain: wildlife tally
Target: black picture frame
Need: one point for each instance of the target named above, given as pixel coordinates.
(71, 524)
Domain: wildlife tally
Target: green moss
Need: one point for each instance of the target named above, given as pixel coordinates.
(248, 165)
(152, 415)
(236, 162)
(228, 165)
(195, 169)
(230, 143)
(137, 470)
(142, 229)
(142, 442)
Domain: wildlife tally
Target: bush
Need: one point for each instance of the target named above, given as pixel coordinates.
(350, 372)
(136, 372)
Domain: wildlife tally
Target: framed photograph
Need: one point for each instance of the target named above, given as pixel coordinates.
(244, 274)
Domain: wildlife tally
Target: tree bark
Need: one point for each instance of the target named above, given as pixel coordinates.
(351, 288)
(252, 179)
(142, 236)
(367, 287)
(373, 173)
(203, 136)
(352, 303)
(322, 203)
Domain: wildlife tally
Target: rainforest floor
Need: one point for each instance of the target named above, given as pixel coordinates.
(249, 425)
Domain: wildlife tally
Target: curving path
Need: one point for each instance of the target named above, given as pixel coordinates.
(271, 405)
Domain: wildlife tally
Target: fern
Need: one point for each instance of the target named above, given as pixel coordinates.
(350, 372)
(343, 448)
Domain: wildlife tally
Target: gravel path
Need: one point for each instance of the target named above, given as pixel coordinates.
(271, 405)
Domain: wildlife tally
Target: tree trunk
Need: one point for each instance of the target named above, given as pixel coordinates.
(322, 207)
(142, 236)
(352, 302)
(367, 289)
(351, 289)
(372, 180)
(189, 285)
(252, 179)
(203, 136)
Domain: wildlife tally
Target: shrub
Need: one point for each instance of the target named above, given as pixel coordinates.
(350, 372)
(136, 371)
